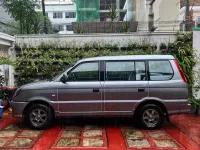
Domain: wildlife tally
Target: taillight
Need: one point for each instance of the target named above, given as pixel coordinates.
(181, 71)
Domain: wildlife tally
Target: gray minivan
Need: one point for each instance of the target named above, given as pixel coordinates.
(149, 88)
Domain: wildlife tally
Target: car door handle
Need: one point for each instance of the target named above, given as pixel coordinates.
(96, 90)
(141, 90)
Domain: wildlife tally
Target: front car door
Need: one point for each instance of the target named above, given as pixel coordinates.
(82, 93)
(125, 85)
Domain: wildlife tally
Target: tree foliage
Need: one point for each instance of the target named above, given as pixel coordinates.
(27, 19)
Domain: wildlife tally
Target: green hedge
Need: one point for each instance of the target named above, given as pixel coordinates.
(40, 64)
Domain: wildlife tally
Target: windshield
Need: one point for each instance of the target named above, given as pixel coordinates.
(61, 73)
(54, 78)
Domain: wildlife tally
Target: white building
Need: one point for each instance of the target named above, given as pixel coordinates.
(61, 14)
(7, 50)
(164, 15)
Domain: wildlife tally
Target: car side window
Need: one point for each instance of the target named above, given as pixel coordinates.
(160, 70)
(125, 71)
(88, 71)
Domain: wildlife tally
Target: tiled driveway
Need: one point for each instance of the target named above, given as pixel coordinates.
(99, 134)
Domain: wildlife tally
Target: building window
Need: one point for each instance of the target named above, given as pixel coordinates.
(59, 27)
(69, 27)
(198, 21)
(107, 4)
(57, 15)
(70, 15)
(122, 3)
(46, 14)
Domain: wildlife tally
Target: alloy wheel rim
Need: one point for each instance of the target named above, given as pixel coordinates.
(38, 117)
(151, 117)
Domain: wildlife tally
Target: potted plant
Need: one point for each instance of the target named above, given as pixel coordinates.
(4, 91)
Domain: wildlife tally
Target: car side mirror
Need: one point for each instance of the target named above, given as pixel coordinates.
(63, 79)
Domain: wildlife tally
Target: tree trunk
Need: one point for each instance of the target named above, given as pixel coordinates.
(44, 14)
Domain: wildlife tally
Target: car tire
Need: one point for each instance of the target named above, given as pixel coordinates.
(150, 117)
(39, 116)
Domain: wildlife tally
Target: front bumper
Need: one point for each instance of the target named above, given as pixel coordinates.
(18, 108)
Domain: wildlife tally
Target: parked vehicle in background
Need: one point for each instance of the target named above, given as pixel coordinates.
(148, 87)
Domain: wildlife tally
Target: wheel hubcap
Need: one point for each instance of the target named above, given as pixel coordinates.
(151, 117)
(38, 117)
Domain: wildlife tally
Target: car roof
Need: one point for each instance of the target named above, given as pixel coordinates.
(130, 57)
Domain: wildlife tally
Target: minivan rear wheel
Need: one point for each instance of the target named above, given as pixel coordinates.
(39, 116)
(151, 117)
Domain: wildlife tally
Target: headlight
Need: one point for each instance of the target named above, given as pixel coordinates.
(17, 92)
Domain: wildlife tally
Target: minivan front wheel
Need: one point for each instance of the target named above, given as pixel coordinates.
(39, 116)
(151, 116)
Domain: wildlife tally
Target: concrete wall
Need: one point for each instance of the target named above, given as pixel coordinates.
(141, 9)
(196, 45)
(79, 40)
(166, 15)
(6, 39)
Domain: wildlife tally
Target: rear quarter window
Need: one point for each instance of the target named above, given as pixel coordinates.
(160, 70)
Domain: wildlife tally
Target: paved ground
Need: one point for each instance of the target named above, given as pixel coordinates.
(99, 134)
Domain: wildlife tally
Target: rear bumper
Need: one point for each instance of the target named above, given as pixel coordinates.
(185, 108)
(18, 108)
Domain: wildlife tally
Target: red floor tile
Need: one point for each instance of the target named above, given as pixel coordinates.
(184, 132)
(188, 124)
